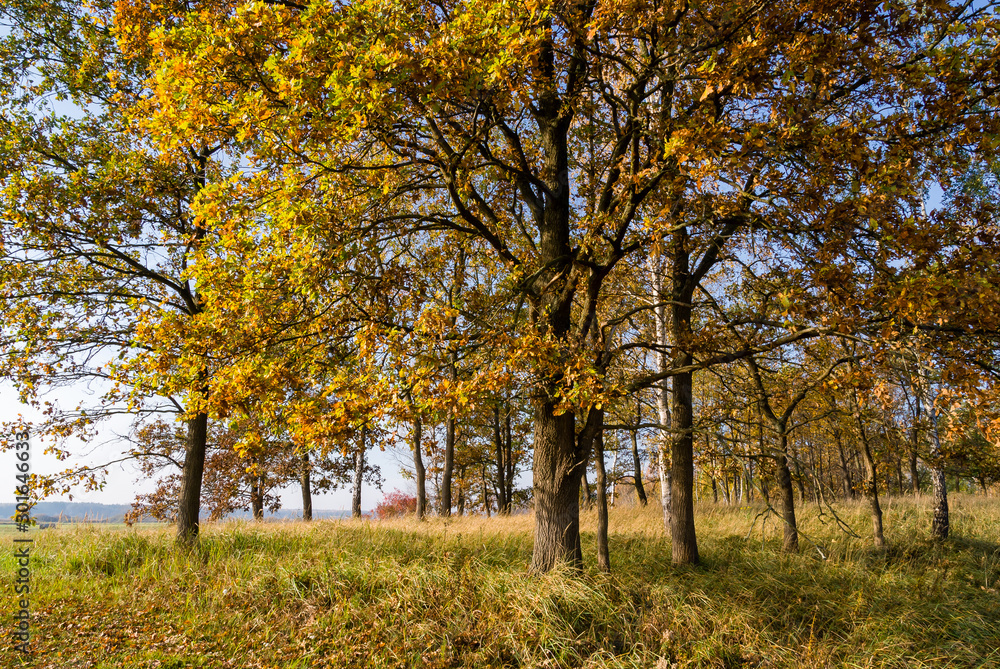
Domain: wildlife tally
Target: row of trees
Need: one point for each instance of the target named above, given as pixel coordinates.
(752, 230)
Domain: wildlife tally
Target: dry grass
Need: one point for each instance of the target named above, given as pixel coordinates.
(456, 593)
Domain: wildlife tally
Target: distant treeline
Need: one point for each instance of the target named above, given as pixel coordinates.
(50, 512)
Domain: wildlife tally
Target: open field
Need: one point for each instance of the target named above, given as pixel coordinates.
(457, 594)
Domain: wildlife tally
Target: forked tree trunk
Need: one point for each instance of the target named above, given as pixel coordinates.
(603, 555)
(559, 460)
(191, 478)
(305, 481)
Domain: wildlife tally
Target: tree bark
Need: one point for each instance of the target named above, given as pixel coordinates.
(914, 443)
(557, 472)
(502, 447)
(614, 470)
(359, 470)
(682, 532)
(257, 498)
(871, 492)
(418, 466)
(588, 499)
(449, 466)
(257, 488)
(790, 534)
(848, 483)
(191, 478)
(640, 489)
(871, 478)
(508, 447)
(940, 524)
(683, 538)
(603, 555)
(486, 490)
(305, 481)
(662, 392)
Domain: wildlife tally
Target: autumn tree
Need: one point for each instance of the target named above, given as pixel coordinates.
(686, 128)
(98, 236)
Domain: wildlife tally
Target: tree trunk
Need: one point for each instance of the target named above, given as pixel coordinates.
(684, 542)
(914, 443)
(191, 477)
(503, 504)
(257, 497)
(557, 472)
(871, 479)
(614, 475)
(585, 489)
(418, 466)
(941, 521)
(661, 391)
(603, 556)
(305, 481)
(848, 483)
(899, 474)
(790, 534)
(559, 458)
(640, 490)
(871, 492)
(486, 491)
(257, 488)
(508, 446)
(799, 483)
(683, 538)
(449, 466)
(359, 470)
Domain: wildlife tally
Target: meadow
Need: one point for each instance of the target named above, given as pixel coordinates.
(457, 593)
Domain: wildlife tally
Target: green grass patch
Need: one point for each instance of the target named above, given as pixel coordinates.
(457, 593)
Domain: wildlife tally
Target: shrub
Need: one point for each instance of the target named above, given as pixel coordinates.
(396, 504)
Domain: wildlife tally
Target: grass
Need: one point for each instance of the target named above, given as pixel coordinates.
(457, 593)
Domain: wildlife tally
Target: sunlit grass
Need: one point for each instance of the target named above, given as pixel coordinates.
(457, 593)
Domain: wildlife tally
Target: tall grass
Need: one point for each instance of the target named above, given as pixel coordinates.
(457, 593)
